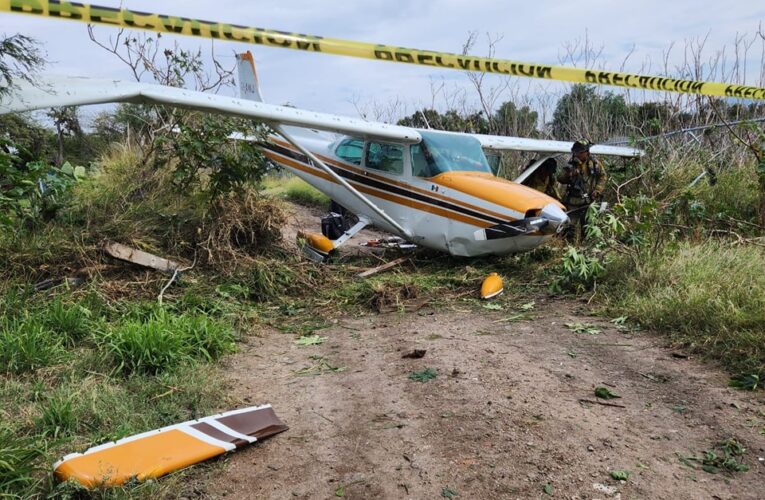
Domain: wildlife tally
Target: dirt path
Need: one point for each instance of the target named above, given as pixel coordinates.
(502, 419)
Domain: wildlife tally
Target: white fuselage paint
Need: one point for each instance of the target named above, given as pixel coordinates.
(430, 230)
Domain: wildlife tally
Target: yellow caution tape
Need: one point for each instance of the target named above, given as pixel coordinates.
(161, 23)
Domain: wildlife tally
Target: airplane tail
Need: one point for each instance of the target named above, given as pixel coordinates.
(249, 87)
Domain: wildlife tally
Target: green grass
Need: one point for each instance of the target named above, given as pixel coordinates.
(26, 344)
(76, 371)
(709, 296)
(19, 464)
(165, 341)
(295, 189)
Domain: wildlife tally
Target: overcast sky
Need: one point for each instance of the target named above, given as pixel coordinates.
(531, 32)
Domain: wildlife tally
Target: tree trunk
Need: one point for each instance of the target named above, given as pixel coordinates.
(60, 154)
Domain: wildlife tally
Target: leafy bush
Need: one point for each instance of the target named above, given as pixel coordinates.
(577, 272)
(205, 159)
(31, 192)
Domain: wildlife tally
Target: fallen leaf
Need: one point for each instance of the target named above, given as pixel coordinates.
(310, 340)
(449, 493)
(620, 475)
(603, 393)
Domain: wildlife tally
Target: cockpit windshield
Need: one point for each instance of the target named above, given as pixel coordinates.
(439, 153)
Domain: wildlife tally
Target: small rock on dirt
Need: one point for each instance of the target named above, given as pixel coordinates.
(415, 354)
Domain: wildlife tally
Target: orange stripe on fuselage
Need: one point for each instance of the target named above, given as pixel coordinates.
(407, 202)
(408, 187)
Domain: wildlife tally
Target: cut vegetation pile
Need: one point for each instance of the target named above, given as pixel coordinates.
(125, 199)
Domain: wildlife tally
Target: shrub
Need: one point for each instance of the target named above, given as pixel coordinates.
(578, 271)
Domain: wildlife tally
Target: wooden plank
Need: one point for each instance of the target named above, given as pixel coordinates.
(379, 269)
(135, 256)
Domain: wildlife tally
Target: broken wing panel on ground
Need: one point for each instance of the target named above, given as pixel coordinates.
(57, 92)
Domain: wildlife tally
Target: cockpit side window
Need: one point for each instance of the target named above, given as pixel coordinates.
(350, 150)
(385, 157)
(420, 165)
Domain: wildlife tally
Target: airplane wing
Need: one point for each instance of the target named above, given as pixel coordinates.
(502, 143)
(57, 92)
(547, 149)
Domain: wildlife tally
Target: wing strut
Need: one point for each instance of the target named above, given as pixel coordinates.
(366, 201)
(249, 88)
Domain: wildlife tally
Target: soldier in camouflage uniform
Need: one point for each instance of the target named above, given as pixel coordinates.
(543, 178)
(585, 181)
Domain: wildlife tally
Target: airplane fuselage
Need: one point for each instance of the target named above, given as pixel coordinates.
(455, 211)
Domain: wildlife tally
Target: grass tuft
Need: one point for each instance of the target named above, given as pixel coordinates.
(19, 464)
(26, 345)
(165, 341)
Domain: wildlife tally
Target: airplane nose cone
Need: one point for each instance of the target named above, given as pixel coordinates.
(556, 217)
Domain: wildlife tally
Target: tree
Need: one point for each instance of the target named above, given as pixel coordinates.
(514, 121)
(583, 113)
(20, 58)
(67, 123)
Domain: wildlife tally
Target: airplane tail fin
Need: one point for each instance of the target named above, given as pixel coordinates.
(249, 87)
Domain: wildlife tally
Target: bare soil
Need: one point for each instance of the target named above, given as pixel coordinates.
(504, 416)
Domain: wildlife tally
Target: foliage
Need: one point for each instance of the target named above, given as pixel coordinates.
(205, 159)
(620, 475)
(293, 188)
(32, 192)
(747, 381)
(19, 456)
(604, 393)
(578, 271)
(584, 113)
(509, 119)
(583, 328)
(724, 457)
(28, 140)
(708, 295)
(308, 340)
(26, 344)
(20, 58)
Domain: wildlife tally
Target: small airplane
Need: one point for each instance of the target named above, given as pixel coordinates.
(431, 188)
